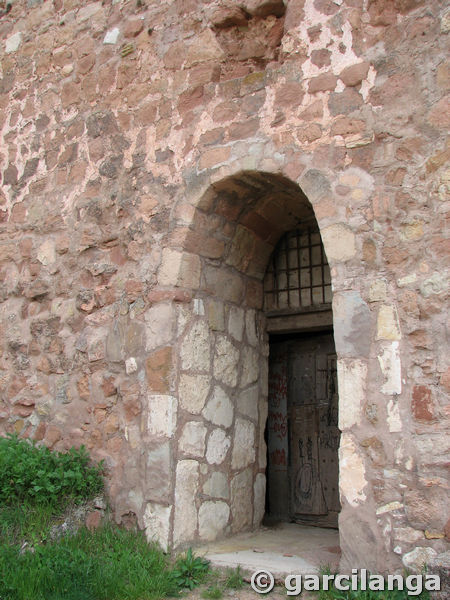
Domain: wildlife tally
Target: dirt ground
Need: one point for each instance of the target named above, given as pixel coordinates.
(246, 593)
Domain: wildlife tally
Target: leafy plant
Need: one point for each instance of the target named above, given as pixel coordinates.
(190, 570)
(33, 473)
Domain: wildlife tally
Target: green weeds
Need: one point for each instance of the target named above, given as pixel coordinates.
(190, 570)
(231, 580)
(30, 473)
(36, 486)
(106, 564)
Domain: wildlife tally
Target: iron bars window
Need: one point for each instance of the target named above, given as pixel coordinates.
(298, 275)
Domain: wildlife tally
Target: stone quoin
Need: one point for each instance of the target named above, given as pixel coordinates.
(152, 157)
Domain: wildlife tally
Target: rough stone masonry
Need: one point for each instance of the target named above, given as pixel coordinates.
(153, 152)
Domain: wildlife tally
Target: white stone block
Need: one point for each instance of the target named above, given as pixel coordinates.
(352, 375)
(112, 36)
(186, 487)
(162, 415)
(192, 440)
(193, 390)
(218, 446)
(391, 367)
(157, 524)
(212, 519)
(244, 444)
(219, 409)
(13, 42)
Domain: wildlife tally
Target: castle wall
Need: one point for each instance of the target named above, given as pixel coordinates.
(151, 156)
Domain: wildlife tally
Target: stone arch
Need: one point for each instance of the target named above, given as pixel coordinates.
(218, 256)
(215, 368)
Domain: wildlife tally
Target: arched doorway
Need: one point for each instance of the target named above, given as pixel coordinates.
(220, 254)
(302, 432)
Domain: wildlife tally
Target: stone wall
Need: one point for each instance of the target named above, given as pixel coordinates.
(152, 154)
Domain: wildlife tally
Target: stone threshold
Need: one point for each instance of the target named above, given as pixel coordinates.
(282, 549)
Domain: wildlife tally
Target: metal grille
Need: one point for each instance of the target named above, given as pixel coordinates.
(298, 275)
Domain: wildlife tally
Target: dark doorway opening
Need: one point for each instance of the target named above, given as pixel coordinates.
(302, 430)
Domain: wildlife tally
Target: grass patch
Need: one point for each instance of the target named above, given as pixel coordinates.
(107, 564)
(36, 487)
(395, 594)
(234, 579)
(212, 592)
(26, 522)
(222, 582)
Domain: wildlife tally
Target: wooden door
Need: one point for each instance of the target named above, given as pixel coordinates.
(313, 430)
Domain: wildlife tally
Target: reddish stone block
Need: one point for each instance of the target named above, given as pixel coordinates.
(420, 339)
(326, 7)
(189, 99)
(117, 256)
(25, 246)
(93, 520)
(108, 386)
(158, 367)
(438, 159)
(147, 114)
(156, 296)
(133, 27)
(393, 89)
(422, 404)
(85, 64)
(23, 410)
(382, 12)
(70, 94)
(310, 133)
(18, 213)
(439, 115)
(223, 17)
(245, 129)
(321, 58)
(133, 288)
(226, 111)
(265, 8)
(396, 176)
(214, 156)
(10, 175)
(445, 379)
(39, 434)
(84, 387)
(322, 83)
(354, 74)
(132, 408)
(289, 95)
(346, 126)
(52, 435)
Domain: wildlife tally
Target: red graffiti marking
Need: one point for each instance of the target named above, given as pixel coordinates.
(278, 458)
(278, 424)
